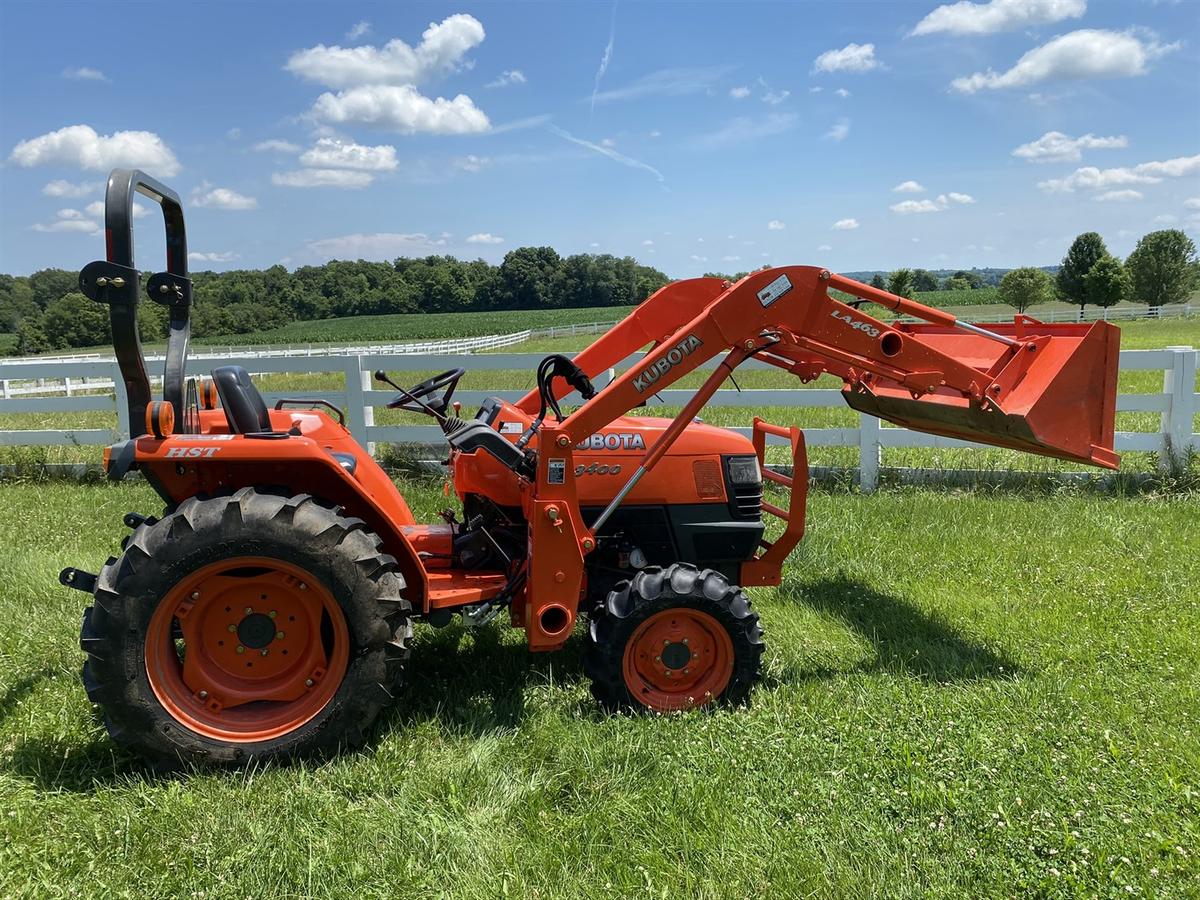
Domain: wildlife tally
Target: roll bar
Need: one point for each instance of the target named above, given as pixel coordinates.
(116, 281)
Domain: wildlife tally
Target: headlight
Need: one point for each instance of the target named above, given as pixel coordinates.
(744, 470)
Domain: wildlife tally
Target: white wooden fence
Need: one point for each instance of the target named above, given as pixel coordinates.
(1177, 404)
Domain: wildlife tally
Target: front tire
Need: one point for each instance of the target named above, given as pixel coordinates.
(246, 627)
(673, 639)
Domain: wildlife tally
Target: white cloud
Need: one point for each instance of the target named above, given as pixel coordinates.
(774, 98)
(609, 152)
(907, 207)
(1087, 53)
(839, 131)
(666, 83)
(608, 142)
(908, 187)
(775, 225)
(851, 58)
(222, 198)
(1054, 146)
(485, 237)
(509, 77)
(442, 48)
(998, 15)
(471, 163)
(1092, 178)
(1165, 219)
(815, 89)
(731, 258)
(842, 92)
(96, 210)
(381, 245)
(360, 29)
(274, 145)
(81, 146)
(83, 73)
(655, 133)
(76, 226)
(331, 153)
(61, 188)
(401, 108)
(942, 201)
(308, 178)
(823, 248)
(696, 258)
(1120, 196)
(227, 256)
(845, 225)
(739, 93)
(1192, 202)
(647, 243)
(69, 214)
(746, 129)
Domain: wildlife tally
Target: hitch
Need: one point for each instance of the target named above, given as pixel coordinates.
(78, 579)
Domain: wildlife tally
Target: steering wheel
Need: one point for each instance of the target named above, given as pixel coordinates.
(445, 382)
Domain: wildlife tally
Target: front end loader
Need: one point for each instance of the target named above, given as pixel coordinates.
(267, 612)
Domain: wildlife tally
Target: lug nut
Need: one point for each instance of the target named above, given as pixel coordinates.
(249, 609)
(308, 682)
(279, 635)
(271, 614)
(232, 629)
(241, 649)
(685, 640)
(203, 695)
(264, 652)
(195, 595)
(303, 586)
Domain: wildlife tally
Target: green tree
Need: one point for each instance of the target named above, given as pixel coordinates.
(900, 283)
(973, 279)
(31, 338)
(954, 283)
(878, 282)
(924, 280)
(1025, 287)
(1108, 283)
(1085, 251)
(50, 284)
(75, 321)
(1161, 267)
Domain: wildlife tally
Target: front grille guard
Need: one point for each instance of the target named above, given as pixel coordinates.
(766, 568)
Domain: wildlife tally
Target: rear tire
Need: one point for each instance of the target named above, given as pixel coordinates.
(673, 639)
(171, 648)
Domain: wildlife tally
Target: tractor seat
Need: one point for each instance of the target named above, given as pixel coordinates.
(243, 404)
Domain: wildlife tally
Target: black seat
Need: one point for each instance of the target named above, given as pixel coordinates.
(243, 404)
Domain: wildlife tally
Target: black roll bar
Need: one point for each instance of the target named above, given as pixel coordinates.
(115, 281)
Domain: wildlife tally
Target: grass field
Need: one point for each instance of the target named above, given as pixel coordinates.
(964, 695)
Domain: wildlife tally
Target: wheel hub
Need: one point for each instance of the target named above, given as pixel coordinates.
(676, 655)
(256, 630)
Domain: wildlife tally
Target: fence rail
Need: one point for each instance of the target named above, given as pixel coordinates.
(1177, 404)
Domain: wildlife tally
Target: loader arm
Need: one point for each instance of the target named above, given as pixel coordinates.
(1044, 389)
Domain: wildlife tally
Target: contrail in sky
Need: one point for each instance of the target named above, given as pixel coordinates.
(606, 59)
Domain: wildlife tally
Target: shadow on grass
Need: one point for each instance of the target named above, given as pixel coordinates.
(476, 683)
(906, 640)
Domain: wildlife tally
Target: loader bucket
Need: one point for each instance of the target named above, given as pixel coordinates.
(1058, 399)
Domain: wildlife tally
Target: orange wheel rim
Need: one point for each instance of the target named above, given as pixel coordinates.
(678, 659)
(247, 649)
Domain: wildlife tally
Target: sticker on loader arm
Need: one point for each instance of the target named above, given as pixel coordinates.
(774, 290)
(556, 471)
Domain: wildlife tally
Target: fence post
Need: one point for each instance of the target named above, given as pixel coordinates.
(1179, 384)
(359, 416)
(6, 391)
(868, 452)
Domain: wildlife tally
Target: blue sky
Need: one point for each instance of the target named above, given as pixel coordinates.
(695, 137)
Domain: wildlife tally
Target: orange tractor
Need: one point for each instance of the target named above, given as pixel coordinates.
(268, 611)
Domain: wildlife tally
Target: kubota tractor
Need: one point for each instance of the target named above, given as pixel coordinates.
(267, 612)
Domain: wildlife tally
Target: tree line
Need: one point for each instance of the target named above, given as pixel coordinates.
(46, 311)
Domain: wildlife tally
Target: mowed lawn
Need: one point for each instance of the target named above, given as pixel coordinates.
(965, 694)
